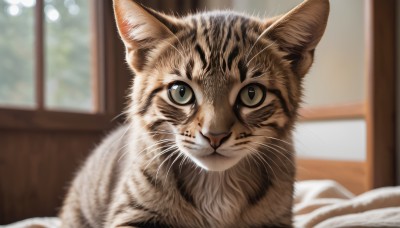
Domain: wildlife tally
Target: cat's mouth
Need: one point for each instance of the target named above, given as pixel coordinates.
(216, 154)
(216, 161)
(211, 159)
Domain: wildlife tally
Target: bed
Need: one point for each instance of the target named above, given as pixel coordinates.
(317, 203)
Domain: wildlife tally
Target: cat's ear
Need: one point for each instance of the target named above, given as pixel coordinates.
(299, 31)
(141, 30)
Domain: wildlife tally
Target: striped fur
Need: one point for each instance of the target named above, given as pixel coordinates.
(160, 169)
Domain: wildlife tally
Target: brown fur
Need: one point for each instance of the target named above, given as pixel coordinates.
(159, 170)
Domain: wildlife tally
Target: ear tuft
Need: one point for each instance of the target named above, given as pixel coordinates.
(299, 31)
(141, 29)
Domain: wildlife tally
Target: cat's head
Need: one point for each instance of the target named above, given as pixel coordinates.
(218, 85)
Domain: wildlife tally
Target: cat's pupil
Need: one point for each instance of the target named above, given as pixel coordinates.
(182, 91)
(252, 92)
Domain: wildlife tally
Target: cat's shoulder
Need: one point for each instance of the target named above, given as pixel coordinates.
(113, 142)
(117, 135)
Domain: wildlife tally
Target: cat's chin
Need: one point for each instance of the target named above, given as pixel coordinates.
(215, 162)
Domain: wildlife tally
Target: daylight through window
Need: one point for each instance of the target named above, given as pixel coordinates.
(66, 67)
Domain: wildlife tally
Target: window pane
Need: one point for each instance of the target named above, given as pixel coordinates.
(17, 53)
(68, 55)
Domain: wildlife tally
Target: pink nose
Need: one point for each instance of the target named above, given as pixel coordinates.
(216, 139)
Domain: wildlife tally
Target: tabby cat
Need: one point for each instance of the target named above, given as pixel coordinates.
(208, 137)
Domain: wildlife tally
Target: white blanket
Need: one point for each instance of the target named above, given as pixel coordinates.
(328, 204)
(317, 204)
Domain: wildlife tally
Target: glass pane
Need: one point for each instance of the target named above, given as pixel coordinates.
(68, 55)
(339, 58)
(17, 53)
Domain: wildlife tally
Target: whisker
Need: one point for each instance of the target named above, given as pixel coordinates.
(179, 41)
(269, 137)
(117, 116)
(177, 157)
(259, 154)
(164, 133)
(124, 153)
(283, 150)
(176, 49)
(154, 149)
(172, 147)
(182, 162)
(163, 141)
(257, 40)
(166, 159)
(283, 163)
(136, 140)
(270, 146)
(248, 63)
(263, 161)
(123, 134)
(248, 162)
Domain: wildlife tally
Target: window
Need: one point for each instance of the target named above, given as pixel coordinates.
(61, 65)
(68, 36)
(48, 52)
(17, 57)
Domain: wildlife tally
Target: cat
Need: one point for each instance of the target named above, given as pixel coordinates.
(208, 140)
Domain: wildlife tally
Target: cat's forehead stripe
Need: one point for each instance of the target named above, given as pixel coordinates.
(222, 42)
(189, 69)
(228, 35)
(242, 70)
(176, 72)
(234, 53)
(201, 53)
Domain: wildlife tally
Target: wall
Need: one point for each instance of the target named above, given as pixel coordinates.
(333, 140)
(35, 169)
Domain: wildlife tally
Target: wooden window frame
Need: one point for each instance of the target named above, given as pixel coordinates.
(111, 79)
(333, 112)
(381, 96)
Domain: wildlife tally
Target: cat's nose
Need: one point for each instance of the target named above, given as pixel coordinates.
(216, 139)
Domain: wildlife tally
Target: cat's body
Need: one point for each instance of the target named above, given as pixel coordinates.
(187, 197)
(208, 141)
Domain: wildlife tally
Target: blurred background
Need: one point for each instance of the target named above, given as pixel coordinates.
(63, 83)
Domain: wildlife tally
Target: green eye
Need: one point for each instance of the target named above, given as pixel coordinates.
(252, 95)
(180, 93)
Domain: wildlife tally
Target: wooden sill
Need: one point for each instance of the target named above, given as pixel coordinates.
(52, 120)
(346, 111)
